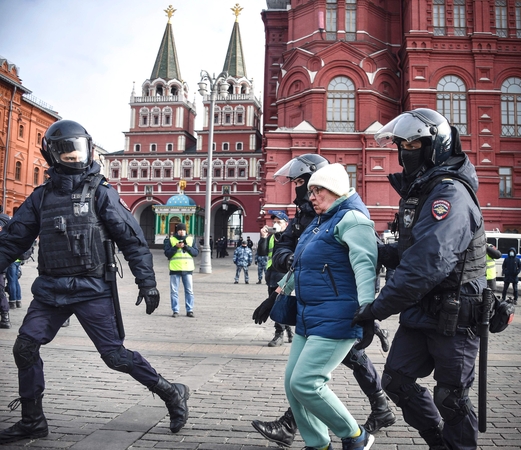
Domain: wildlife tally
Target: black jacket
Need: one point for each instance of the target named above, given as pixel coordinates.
(438, 243)
(122, 227)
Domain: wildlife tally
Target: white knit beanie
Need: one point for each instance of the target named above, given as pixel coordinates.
(333, 177)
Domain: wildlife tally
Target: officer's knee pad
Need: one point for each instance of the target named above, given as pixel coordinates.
(121, 360)
(452, 403)
(400, 388)
(26, 352)
(355, 359)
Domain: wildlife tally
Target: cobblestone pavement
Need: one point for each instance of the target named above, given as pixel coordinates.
(222, 355)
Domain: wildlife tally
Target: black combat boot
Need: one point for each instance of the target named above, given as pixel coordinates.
(434, 437)
(281, 431)
(175, 396)
(381, 415)
(33, 424)
(4, 320)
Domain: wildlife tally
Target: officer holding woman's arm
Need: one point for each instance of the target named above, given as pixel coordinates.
(438, 281)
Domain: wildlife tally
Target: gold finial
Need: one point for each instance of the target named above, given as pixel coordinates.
(236, 10)
(170, 12)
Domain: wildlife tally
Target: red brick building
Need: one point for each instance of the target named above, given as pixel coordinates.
(336, 70)
(23, 122)
(161, 174)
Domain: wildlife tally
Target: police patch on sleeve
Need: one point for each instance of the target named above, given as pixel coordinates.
(124, 204)
(440, 209)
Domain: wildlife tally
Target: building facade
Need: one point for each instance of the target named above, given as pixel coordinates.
(337, 70)
(163, 158)
(23, 122)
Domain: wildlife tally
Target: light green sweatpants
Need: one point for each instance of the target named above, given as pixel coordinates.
(316, 407)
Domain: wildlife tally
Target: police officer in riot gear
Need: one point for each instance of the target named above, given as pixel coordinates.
(73, 214)
(283, 430)
(439, 278)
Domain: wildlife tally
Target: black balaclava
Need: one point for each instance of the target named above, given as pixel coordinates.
(302, 191)
(414, 162)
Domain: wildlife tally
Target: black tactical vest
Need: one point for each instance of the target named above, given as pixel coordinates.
(71, 233)
(407, 216)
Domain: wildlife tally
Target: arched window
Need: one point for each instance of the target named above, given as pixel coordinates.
(341, 105)
(39, 138)
(168, 170)
(144, 170)
(239, 115)
(36, 176)
(21, 131)
(511, 107)
(143, 117)
(187, 167)
(217, 169)
(18, 171)
(230, 169)
(451, 101)
(242, 170)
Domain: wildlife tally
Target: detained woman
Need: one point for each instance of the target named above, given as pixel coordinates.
(333, 274)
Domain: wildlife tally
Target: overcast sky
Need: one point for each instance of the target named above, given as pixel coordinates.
(82, 56)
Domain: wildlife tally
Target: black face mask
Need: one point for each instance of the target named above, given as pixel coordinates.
(414, 161)
(302, 191)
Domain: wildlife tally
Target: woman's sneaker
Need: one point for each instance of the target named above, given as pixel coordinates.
(362, 442)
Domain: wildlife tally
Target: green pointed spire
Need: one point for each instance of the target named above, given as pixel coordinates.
(167, 65)
(235, 64)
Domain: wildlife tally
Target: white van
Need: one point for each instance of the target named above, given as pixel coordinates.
(503, 242)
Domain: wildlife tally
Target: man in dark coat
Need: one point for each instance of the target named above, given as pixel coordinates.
(511, 268)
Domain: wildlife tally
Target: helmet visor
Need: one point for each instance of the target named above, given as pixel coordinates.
(74, 152)
(283, 174)
(408, 126)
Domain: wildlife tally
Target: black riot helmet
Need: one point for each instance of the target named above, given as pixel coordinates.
(67, 146)
(299, 166)
(423, 124)
(303, 167)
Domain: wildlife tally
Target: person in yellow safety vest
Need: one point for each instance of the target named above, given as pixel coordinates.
(266, 245)
(179, 249)
(492, 254)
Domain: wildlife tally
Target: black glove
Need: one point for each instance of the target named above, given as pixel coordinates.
(289, 261)
(367, 337)
(363, 314)
(151, 296)
(382, 334)
(365, 318)
(261, 314)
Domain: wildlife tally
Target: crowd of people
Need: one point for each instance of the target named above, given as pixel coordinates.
(328, 258)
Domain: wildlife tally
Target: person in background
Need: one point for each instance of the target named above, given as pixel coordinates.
(282, 430)
(77, 216)
(266, 246)
(438, 281)
(13, 286)
(261, 262)
(332, 274)
(5, 321)
(249, 243)
(180, 250)
(492, 254)
(511, 268)
(242, 258)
